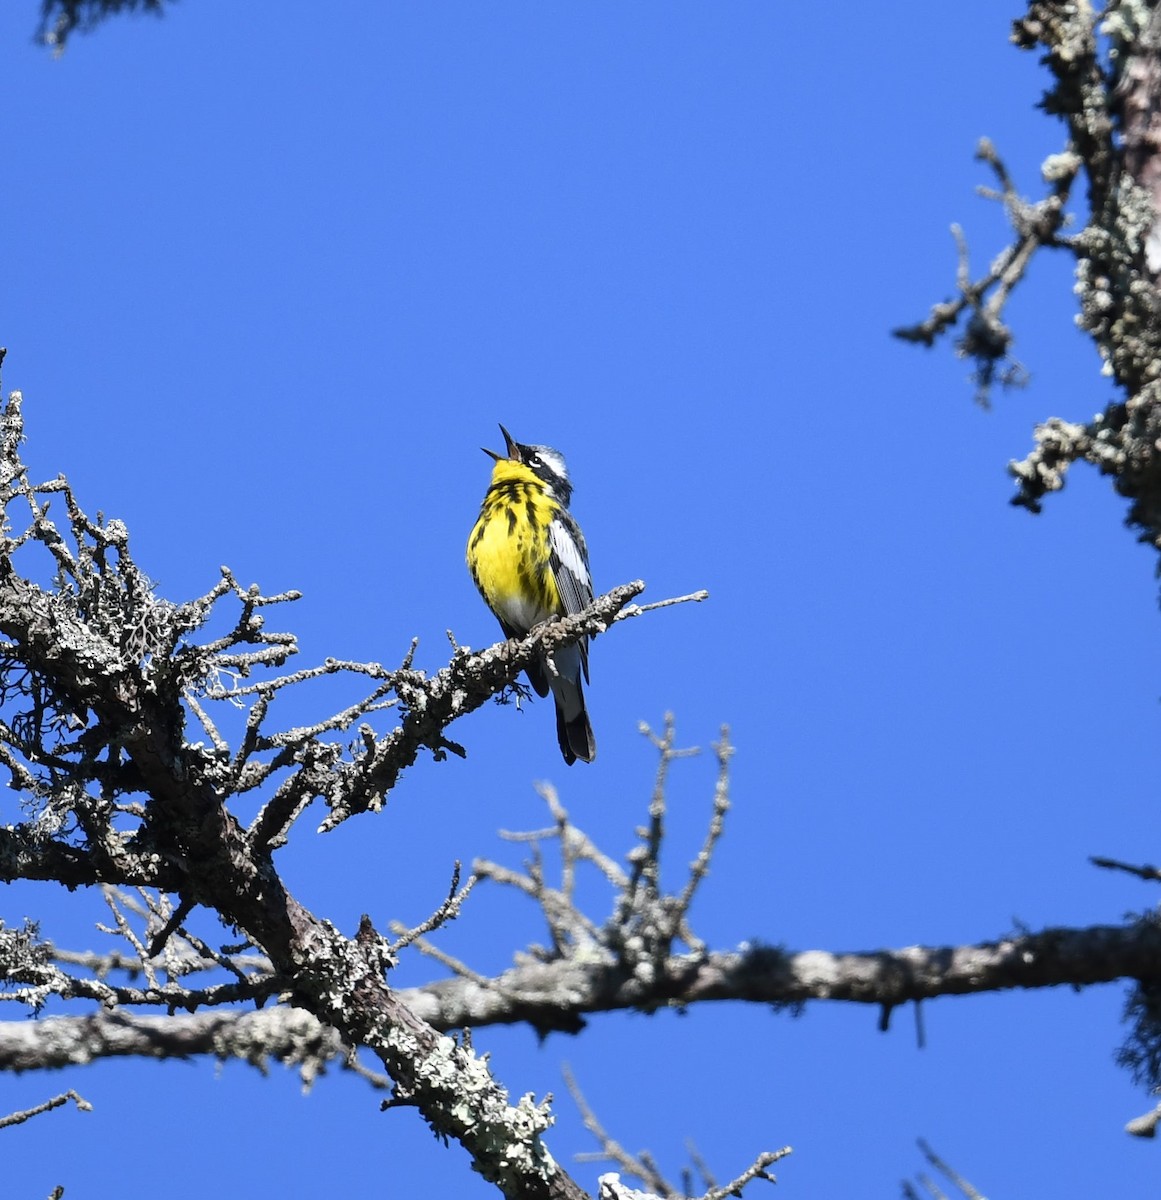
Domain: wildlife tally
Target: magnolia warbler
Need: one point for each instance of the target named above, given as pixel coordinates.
(528, 558)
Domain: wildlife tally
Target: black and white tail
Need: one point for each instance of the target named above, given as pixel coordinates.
(575, 734)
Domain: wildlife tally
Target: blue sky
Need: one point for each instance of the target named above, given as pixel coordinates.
(269, 286)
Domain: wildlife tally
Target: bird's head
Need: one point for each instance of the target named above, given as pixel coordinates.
(544, 462)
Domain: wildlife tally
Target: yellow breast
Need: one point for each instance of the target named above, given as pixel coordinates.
(508, 550)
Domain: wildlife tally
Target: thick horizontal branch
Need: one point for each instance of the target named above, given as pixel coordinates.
(558, 995)
(282, 1034)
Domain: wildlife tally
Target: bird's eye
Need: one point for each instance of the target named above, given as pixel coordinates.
(534, 460)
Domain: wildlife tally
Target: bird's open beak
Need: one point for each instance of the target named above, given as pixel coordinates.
(511, 443)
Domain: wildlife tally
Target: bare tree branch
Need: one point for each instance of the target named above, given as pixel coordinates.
(449, 910)
(1106, 69)
(611, 1150)
(987, 340)
(556, 995)
(99, 679)
(18, 1118)
(962, 1186)
(290, 1036)
(1112, 864)
(644, 1167)
(643, 956)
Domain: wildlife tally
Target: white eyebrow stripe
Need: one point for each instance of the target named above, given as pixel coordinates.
(553, 459)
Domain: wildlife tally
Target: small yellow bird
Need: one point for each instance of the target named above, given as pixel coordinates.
(528, 558)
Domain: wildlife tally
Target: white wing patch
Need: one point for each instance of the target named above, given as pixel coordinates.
(570, 568)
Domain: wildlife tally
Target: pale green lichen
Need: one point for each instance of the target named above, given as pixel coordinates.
(1123, 23)
(1060, 166)
(505, 1140)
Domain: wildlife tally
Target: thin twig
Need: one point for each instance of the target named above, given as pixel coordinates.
(756, 1170)
(699, 868)
(1151, 873)
(449, 910)
(611, 1150)
(112, 896)
(18, 1118)
(454, 965)
(969, 1192)
(636, 610)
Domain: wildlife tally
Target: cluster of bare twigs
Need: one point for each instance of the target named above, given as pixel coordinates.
(635, 945)
(645, 954)
(100, 624)
(1106, 68)
(987, 339)
(646, 923)
(161, 957)
(645, 951)
(643, 1165)
(170, 960)
(100, 680)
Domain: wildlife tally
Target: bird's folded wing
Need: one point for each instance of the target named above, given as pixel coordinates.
(569, 561)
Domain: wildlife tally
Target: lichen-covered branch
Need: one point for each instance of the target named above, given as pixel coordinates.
(644, 955)
(100, 679)
(987, 339)
(1105, 66)
(559, 994)
(100, 654)
(1105, 103)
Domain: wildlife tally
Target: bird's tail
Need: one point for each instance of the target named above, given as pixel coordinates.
(573, 730)
(575, 736)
